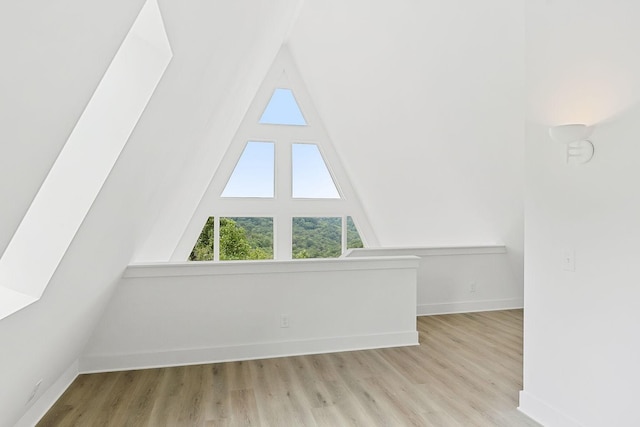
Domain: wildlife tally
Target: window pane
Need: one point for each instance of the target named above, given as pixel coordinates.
(317, 237)
(254, 172)
(310, 175)
(203, 249)
(283, 109)
(246, 238)
(353, 237)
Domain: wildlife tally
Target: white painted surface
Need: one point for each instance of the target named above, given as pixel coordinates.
(162, 316)
(52, 62)
(83, 165)
(282, 207)
(222, 102)
(581, 327)
(53, 59)
(460, 279)
(44, 401)
(12, 301)
(428, 131)
(543, 413)
(424, 104)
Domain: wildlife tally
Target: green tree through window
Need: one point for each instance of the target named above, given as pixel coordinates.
(317, 237)
(203, 249)
(240, 239)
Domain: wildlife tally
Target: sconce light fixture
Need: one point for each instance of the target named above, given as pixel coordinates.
(574, 136)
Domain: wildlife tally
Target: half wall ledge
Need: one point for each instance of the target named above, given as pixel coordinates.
(216, 268)
(170, 314)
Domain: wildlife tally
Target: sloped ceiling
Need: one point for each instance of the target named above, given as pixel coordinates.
(55, 55)
(424, 102)
(222, 76)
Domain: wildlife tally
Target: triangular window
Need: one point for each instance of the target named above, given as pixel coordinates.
(311, 178)
(254, 173)
(284, 194)
(283, 109)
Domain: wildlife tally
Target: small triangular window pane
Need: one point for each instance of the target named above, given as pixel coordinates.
(310, 176)
(283, 109)
(353, 237)
(253, 175)
(203, 249)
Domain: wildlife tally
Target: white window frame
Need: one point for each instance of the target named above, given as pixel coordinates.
(282, 207)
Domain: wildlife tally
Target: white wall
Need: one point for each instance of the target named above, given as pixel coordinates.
(53, 58)
(459, 279)
(48, 75)
(221, 77)
(581, 328)
(84, 163)
(424, 103)
(176, 314)
(434, 89)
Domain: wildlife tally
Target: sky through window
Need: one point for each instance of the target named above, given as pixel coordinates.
(254, 173)
(283, 109)
(310, 176)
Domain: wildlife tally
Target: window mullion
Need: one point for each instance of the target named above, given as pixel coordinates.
(216, 238)
(344, 234)
(282, 218)
(283, 171)
(282, 237)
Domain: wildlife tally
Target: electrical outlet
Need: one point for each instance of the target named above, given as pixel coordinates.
(569, 259)
(34, 392)
(472, 287)
(284, 320)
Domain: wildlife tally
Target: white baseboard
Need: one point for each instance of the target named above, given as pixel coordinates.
(469, 306)
(40, 407)
(123, 362)
(544, 413)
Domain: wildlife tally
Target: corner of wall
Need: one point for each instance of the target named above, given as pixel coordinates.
(40, 407)
(544, 413)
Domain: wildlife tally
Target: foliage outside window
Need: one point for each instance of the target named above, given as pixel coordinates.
(240, 239)
(251, 238)
(317, 237)
(353, 237)
(203, 249)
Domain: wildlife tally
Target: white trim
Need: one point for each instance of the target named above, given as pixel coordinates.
(469, 306)
(40, 407)
(544, 413)
(216, 238)
(428, 250)
(210, 268)
(343, 241)
(282, 207)
(194, 356)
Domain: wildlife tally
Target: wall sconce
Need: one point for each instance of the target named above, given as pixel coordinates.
(579, 149)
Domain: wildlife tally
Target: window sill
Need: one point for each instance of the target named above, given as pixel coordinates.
(211, 268)
(423, 251)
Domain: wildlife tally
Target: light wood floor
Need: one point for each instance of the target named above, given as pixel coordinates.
(467, 371)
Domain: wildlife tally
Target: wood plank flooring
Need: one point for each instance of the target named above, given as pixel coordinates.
(467, 371)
